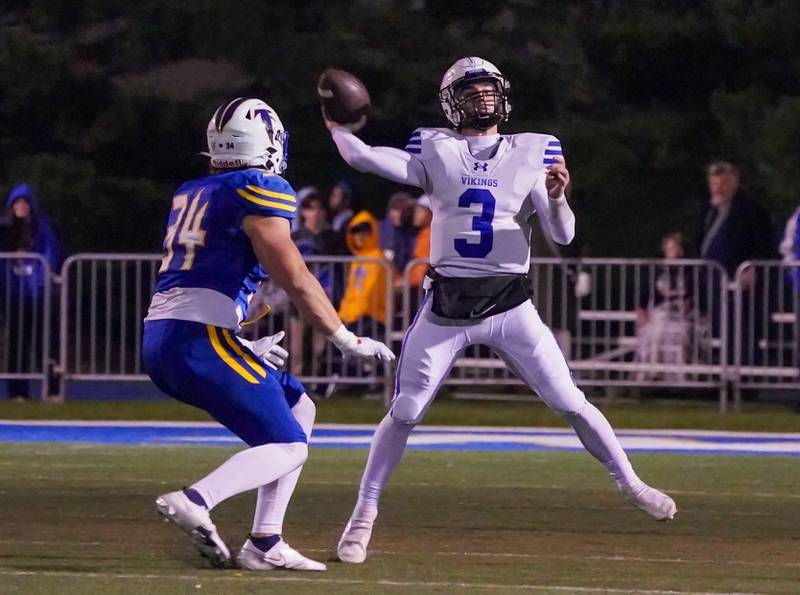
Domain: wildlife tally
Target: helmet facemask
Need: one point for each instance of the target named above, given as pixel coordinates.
(274, 159)
(479, 103)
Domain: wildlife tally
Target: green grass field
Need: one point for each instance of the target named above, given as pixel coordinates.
(80, 519)
(646, 414)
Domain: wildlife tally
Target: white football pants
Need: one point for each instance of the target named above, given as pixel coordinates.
(518, 336)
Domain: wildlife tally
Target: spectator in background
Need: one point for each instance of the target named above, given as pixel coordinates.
(365, 294)
(663, 315)
(25, 228)
(301, 194)
(340, 211)
(789, 248)
(735, 229)
(397, 231)
(313, 238)
(340, 206)
(423, 215)
(364, 303)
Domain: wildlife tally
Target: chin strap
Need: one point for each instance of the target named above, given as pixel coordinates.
(487, 122)
(483, 123)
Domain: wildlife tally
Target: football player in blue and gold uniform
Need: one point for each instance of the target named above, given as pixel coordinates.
(225, 232)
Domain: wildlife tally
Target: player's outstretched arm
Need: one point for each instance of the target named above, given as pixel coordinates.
(387, 162)
(273, 246)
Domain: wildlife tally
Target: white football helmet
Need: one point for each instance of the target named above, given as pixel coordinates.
(472, 70)
(246, 132)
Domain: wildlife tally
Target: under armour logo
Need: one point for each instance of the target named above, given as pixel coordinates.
(478, 166)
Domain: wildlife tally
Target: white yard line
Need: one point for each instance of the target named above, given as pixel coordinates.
(496, 555)
(620, 558)
(424, 484)
(264, 577)
(422, 428)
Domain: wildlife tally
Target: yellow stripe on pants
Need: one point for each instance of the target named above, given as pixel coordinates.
(237, 349)
(226, 357)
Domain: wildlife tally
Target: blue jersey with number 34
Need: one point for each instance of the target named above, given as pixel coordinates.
(205, 246)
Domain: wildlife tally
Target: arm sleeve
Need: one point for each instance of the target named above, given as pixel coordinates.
(555, 214)
(387, 162)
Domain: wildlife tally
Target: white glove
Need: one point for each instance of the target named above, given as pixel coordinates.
(349, 344)
(268, 350)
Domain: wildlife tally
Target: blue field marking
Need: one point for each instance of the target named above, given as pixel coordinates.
(423, 438)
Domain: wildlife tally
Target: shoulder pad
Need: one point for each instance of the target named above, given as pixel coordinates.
(264, 193)
(268, 181)
(421, 136)
(542, 148)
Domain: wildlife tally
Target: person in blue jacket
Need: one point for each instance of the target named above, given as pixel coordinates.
(25, 228)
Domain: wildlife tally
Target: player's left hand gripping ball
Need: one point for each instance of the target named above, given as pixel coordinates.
(344, 99)
(557, 178)
(349, 344)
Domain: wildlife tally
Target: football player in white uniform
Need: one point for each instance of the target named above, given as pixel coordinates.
(484, 187)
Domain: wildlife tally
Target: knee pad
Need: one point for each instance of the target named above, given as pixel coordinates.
(298, 449)
(304, 412)
(408, 410)
(576, 412)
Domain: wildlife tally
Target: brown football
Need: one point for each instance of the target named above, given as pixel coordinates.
(345, 99)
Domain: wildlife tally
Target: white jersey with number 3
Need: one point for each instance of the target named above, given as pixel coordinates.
(482, 207)
(483, 191)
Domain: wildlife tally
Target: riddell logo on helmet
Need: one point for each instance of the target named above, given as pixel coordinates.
(228, 163)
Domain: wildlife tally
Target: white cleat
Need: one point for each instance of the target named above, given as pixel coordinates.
(353, 543)
(655, 503)
(280, 556)
(195, 521)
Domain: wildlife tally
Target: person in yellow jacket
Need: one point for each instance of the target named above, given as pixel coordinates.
(365, 292)
(423, 215)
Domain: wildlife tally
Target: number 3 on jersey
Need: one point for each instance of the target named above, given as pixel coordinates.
(481, 223)
(189, 212)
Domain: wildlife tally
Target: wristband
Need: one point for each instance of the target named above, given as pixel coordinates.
(342, 337)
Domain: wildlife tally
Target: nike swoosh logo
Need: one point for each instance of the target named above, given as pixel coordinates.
(277, 561)
(482, 313)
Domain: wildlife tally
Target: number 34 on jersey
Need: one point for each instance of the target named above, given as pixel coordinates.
(185, 231)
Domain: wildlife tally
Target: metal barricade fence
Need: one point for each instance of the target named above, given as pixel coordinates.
(620, 322)
(766, 351)
(26, 319)
(104, 300)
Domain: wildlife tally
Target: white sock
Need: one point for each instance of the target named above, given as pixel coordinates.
(273, 499)
(388, 445)
(598, 437)
(249, 469)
